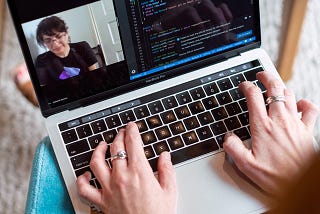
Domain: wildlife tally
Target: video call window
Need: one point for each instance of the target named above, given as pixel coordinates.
(76, 53)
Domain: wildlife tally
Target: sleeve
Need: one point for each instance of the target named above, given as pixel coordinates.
(87, 54)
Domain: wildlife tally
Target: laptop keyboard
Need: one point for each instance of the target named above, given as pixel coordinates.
(188, 120)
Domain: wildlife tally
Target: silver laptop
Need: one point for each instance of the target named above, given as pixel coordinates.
(173, 67)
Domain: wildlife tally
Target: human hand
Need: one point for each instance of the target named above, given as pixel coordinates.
(130, 186)
(282, 141)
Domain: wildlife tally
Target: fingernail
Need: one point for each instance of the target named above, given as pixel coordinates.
(228, 134)
(102, 143)
(167, 156)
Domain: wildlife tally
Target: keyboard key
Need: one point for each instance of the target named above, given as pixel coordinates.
(196, 107)
(113, 121)
(141, 112)
(224, 98)
(98, 126)
(191, 123)
(233, 109)
(190, 138)
(197, 93)
(82, 160)
(261, 86)
(154, 122)
(163, 133)
(244, 118)
(148, 137)
(69, 136)
(219, 113)
(170, 102)
(242, 133)
(84, 131)
(232, 123)
(177, 128)
(205, 118)
(183, 98)
(204, 133)
(218, 128)
(210, 102)
(161, 147)
(95, 140)
(243, 105)
(211, 89)
(175, 143)
(109, 136)
(83, 170)
(127, 116)
(236, 94)
(142, 126)
(148, 151)
(237, 79)
(77, 147)
(168, 117)
(189, 152)
(156, 107)
(224, 84)
(252, 74)
(182, 112)
(220, 140)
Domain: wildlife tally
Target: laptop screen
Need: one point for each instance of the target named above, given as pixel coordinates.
(79, 52)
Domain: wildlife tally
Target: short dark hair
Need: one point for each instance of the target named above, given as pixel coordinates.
(50, 26)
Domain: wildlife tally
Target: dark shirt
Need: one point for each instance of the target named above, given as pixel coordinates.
(52, 69)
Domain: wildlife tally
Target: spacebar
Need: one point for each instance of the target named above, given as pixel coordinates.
(188, 153)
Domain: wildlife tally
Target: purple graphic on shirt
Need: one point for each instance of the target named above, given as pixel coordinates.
(69, 72)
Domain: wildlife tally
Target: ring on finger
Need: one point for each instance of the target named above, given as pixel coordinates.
(273, 99)
(120, 155)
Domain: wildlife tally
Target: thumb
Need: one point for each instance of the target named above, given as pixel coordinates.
(235, 148)
(166, 172)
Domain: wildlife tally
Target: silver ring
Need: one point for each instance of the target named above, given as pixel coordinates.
(273, 99)
(120, 155)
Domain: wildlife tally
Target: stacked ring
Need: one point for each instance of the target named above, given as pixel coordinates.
(273, 99)
(120, 155)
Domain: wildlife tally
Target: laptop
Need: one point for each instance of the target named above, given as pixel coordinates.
(172, 67)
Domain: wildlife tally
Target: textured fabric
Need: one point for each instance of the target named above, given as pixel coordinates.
(47, 191)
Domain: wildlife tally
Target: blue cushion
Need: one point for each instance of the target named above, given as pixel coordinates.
(47, 191)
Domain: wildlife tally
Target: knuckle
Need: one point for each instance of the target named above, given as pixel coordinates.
(275, 84)
(253, 91)
(94, 162)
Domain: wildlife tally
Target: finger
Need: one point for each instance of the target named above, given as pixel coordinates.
(291, 103)
(99, 166)
(309, 113)
(235, 148)
(166, 173)
(255, 102)
(275, 87)
(86, 190)
(116, 147)
(134, 146)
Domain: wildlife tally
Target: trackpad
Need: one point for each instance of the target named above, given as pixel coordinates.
(212, 185)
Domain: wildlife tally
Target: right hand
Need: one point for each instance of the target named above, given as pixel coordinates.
(282, 141)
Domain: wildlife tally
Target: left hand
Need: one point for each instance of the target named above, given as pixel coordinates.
(130, 186)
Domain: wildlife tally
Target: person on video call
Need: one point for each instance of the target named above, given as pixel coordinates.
(63, 60)
(282, 159)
